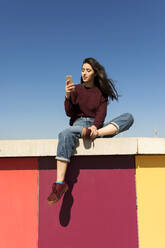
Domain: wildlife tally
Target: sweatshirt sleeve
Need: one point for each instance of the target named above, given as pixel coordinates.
(101, 113)
(69, 104)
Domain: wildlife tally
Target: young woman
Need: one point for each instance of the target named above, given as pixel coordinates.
(86, 105)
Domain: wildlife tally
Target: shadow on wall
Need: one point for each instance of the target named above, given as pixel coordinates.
(71, 178)
(77, 164)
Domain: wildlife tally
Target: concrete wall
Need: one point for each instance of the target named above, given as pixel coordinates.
(116, 196)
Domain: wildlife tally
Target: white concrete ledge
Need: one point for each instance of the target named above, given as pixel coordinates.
(101, 146)
(151, 145)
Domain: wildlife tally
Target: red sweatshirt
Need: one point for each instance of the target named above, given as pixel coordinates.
(86, 102)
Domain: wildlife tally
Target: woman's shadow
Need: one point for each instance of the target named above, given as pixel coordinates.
(71, 178)
(73, 170)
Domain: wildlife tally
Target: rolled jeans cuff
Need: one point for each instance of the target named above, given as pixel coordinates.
(62, 159)
(113, 123)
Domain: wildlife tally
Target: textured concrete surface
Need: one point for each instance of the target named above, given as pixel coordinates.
(101, 146)
(151, 145)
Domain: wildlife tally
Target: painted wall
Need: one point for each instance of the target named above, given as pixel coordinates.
(19, 202)
(98, 210)
(150, 184)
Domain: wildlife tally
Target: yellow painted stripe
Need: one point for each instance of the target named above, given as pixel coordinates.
(150, 186)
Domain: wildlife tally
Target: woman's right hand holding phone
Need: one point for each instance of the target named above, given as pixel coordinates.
(69, 87)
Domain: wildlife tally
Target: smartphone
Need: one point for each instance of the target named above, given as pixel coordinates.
(69, 77)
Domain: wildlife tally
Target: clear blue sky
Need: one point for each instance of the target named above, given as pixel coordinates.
(42, 41)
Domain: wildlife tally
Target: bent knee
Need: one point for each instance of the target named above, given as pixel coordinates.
(130, 118)
(63, 133)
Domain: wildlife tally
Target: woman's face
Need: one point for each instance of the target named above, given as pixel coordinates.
(87, 74)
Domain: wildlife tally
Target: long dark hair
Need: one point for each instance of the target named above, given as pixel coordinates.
(105, 84)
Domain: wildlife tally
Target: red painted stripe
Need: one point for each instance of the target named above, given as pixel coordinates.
(18, 208)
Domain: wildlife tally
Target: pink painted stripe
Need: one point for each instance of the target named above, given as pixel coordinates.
(102, 212)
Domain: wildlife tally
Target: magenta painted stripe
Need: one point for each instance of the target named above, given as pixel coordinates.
(100, 211)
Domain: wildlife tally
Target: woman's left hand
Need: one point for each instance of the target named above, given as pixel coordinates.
(94, 133)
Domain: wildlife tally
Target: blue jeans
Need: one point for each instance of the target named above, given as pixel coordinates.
(68, 138)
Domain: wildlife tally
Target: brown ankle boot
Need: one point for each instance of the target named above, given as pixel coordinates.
(58, 189)
(85, 133)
